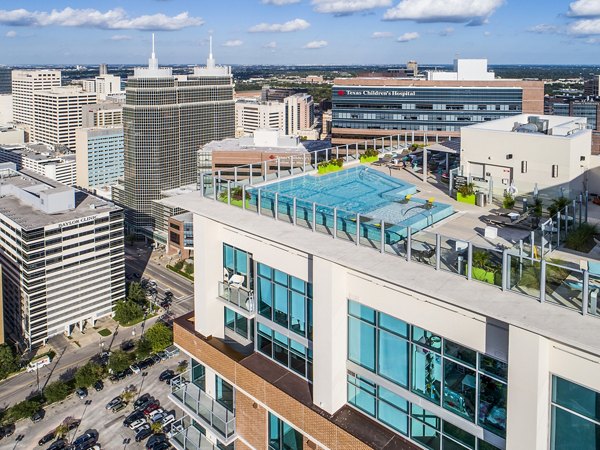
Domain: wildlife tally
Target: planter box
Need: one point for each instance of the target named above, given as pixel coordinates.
(482, 275)
(469, 199)
(329, 168)
(368, 159)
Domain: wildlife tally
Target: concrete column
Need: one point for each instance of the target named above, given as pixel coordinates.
(208, 269)
(209, 382)
(330, 335)
(527, 424)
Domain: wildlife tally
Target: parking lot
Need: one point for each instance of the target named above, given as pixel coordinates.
(112, 435)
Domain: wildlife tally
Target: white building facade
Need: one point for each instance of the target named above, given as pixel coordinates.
(43, 160)
(24, 84)
(251, 115)
(62, 257)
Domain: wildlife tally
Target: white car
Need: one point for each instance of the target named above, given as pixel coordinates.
(135, 368)
(154, 413)
(158, 417)
(167, 419)
(136, 424)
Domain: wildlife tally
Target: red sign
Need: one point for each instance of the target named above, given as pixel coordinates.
(341, 92)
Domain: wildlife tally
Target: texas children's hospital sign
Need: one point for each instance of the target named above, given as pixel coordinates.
(376, 93)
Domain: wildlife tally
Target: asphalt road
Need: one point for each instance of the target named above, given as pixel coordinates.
(94, 417)
(69, 357)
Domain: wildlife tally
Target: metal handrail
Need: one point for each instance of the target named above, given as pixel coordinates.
(237, 295)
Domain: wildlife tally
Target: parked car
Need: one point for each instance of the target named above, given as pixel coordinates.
(169, 418)
(155, 413)
(137, 423)
(163, 355)
(59, 445)
(164, 445)
(119, 407)
(114, 402)
(158, 417)
(99, 385)
(127, 346)
(84, 441)
(156, 358)
(135, 368)
(143, 365)
(81, 392)
(141, 399)
(38, 416)
(166, 375)
(151, 407)
(149, 362)
(46, 438)
(143, 433)
(136, 415)
(7, 430)
(154, 440)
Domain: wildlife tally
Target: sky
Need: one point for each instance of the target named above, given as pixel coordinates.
(297, 32)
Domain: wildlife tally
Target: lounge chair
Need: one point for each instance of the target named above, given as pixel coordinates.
(493, 219)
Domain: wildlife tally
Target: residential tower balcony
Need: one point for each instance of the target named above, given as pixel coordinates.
(190, 436)
(237, 295)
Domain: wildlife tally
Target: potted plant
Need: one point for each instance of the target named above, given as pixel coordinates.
(509, 201)
(370, 155)
(557, 205)
(466, 194)
(235, 196)
(483, 268)
(332, 165)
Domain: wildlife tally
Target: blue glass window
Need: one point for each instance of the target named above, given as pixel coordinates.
(225, 395)
(393, 358)
(426, 373)
(285, 351)
(361, 311)
(282, 436)
(361, 343)
(392, 324)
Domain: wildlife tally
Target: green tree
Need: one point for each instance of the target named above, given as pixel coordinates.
(189, 269)
(160, 336)
(57, 391)
(143, 349)
(178, 265)
(127, 311)
(8, 361)
(136, 293)
(87, 374)
(120, 360)
(22, 410)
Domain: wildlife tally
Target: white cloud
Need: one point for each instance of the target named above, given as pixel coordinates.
(271, 45)
(585, 27)
(121, 37)
(113, 19)
(233, 43)
(543, 28)
(313, 45)
(382, 34)
(407, 37)
(292, 25)
(11, 34)
(347, 6)
(584, 8)
(446, 31)
(280, 2)
(487, 33)
(471, 12)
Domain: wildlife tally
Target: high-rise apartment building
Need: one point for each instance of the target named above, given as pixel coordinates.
(367, 108)
(105, 114)
(58, 113)
(43, 160)
(299, 114)
(103, 85)
(251, 115)
(99, 156)
(311, 332)
(5, 80)
(166, 120)
(24, 84)
(62, 257)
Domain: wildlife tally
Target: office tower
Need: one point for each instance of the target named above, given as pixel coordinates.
(299, 114)
(103, 86)
(43, 160)
(311, 332)
(413, 67)
(5, 80)
(166, 120)
(58, 113)
(591, 86)
(105, 114)
(102, 69)
(24, 84)
(99, 156)
(62, 258)
(251, 115)
(367, 108)
(578, 107)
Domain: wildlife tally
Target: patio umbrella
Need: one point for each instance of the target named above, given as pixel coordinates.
(535, 191)
(512, 189)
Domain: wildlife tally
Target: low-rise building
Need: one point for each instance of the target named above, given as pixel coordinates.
(181, 236)
(99, 156)
(42, 159)
(105, 114)
(11, 135)
(550, 153)
(62, 257)
(251, 115)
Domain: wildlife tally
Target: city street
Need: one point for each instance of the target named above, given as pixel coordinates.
(109, 425)
(69, 356)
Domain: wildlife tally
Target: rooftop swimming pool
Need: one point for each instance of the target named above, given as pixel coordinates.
(357, 190)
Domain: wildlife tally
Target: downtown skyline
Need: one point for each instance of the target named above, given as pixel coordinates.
(301, 31)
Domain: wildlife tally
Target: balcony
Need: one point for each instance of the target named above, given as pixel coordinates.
(203, 408)
(189, 437)
(237, 295)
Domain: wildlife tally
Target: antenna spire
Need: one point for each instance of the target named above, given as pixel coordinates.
(210, 62)
(153, 61)
(153, 54)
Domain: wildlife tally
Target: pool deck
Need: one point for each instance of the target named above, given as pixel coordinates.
(466, 223)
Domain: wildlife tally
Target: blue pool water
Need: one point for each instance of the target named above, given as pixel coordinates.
(371, 193)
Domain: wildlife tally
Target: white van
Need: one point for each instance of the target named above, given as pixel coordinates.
(38, 363)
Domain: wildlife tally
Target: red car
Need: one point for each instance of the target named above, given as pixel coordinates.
(151, 407)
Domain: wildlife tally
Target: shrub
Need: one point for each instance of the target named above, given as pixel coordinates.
(582, 239)
(136, 293)
(127, 311)
(178, 265)
(467, 189)
(558, 204)
(189, 269)
(22, 410)
(57, 391)
(508, 202)
(370, 152)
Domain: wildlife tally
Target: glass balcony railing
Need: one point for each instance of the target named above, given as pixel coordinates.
(203, 408)
(189, 437)
(237, 295)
